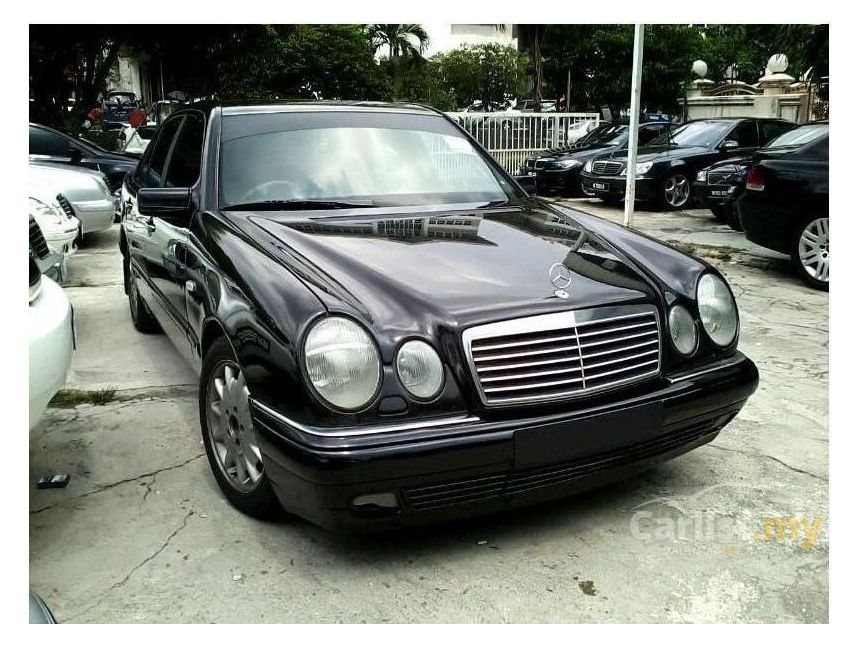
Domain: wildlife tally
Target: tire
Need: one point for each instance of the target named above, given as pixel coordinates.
(229, 436)
(675, 192)
(810, 254)
(719, 214)
(733, 218)
(141, 316)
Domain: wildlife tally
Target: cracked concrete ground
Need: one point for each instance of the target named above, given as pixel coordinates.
(142, 534)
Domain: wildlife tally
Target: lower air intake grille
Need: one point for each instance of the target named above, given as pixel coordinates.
(476, 489)
(563, 355)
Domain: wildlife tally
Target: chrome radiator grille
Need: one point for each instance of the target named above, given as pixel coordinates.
(606, 167)
(37, 240)
(563, 355)
(719, 177)
(66, 206)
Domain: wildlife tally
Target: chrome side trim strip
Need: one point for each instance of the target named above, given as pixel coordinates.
(443, 422)
(715, 367)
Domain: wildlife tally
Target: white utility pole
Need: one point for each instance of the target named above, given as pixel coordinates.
(633, 139)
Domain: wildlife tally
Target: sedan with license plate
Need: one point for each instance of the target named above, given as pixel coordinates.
(719, 187)
(668, 165)
(390, 331)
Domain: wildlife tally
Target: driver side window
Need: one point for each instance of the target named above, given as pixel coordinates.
(151, 169)
(745, 134)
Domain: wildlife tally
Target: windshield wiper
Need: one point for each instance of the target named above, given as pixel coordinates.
(297, 205)
(495, 202)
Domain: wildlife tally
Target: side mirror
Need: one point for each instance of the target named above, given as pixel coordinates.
(75, 155)
(731, 144)
(528, 184)
(170, 204)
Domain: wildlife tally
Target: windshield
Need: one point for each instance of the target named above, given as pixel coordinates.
(345, 158)
(799, 136)
(695, 133)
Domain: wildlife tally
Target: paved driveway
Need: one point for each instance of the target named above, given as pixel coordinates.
(142, 533)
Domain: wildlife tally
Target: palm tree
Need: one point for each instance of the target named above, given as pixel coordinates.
(400, 39)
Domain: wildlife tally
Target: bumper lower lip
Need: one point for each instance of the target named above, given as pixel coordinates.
(617, 184)
(455, 467)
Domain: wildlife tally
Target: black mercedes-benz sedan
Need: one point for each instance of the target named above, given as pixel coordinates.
(390, 331)
(719, 187)
(47, 144)
(666, 168)
(557, 171)
(786, 207)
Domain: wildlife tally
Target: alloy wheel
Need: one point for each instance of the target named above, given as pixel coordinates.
(677, 190)
(814, 249)
(234, 442)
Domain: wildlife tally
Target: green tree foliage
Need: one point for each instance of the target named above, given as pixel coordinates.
(480, 72)
(400, 40)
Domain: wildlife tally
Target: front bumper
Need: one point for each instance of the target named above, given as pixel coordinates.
(555, 182)
(614, 186)
(50, 325)
(97, 214)
(431, 471)
(714, 196)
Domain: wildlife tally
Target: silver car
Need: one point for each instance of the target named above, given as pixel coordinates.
(80, 192)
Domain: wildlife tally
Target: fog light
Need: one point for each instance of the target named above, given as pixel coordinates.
(375, 504)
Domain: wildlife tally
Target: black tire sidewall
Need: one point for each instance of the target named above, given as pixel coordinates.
(261, 502)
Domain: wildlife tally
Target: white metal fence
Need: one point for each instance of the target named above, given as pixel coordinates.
(511, 137)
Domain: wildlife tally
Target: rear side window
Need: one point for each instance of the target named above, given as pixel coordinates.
(184, 166)
(770, 130)
(152, 170)
(45, 142)
(745, 134)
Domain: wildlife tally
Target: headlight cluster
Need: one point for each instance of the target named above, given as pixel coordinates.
(588, 165)
(644, 167)
(342, 362)
(45, 213)
(565, 164)
(717, 311)
(702, 176)
(345, 369)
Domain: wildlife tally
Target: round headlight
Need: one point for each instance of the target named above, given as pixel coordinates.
(682, 328)
(420, 369)
(717, 309)
(342, 362)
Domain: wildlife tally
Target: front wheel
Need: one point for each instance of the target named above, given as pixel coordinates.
(229, 436)
(674, 192)
(141, 316)
(811, 252)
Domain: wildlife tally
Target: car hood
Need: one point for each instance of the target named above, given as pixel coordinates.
(575, 153)
(660, 153)
(452, 268)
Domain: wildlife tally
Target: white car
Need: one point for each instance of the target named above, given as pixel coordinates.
(52, 338)
(80, 192)
(136, 139)
(58, 231)
(578, 130)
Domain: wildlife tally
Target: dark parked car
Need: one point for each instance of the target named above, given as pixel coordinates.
(785, 207)
(666, 168)
(557, 171)
(719, 187)
(390, 331)
(118, 106)
(47, 144)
